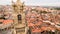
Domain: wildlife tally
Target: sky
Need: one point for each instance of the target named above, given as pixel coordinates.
(34, 2)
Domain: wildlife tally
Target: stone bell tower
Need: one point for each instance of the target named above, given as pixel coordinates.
(19, 16)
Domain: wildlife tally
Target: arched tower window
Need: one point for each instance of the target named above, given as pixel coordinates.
(19, 18)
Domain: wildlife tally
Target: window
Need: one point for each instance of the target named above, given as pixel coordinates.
(19, 18)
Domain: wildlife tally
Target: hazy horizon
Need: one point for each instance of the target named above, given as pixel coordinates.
(34, 2)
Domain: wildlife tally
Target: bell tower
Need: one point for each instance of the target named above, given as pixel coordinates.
(19, 17)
